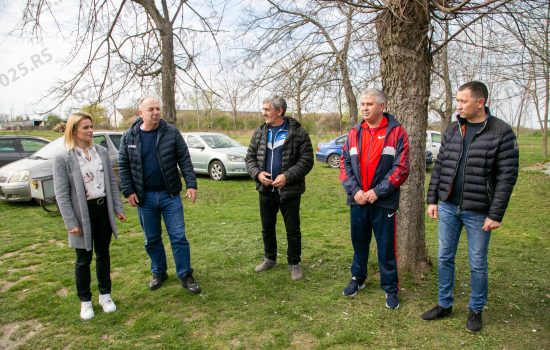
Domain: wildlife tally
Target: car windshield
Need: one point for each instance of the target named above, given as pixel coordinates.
(220, 141)
(50, 150)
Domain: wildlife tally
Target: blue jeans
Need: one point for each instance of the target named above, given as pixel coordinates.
(155, 205)
(451, 221)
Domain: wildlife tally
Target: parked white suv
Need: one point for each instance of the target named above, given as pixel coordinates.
(433, 142)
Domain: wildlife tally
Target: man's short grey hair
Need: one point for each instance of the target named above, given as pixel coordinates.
(379, 94)
(141, 100)
(277, 102)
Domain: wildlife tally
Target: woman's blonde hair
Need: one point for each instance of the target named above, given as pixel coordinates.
(70, 128)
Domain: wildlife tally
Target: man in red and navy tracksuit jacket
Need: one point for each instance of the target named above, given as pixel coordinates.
(374, 164)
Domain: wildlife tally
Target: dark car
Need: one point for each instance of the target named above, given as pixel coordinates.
(15, 147)
(330, 152)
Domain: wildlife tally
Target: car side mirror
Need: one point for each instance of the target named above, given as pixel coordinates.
(198, 146)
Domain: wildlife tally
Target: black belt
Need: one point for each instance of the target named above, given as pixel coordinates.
(97, 201)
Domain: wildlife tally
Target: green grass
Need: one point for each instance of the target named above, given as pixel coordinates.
(240, 309)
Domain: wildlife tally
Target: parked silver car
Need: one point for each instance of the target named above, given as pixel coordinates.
(15, 177)
(215, 154)
(433, 142)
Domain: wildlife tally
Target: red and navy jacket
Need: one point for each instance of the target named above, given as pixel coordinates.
(392, 169)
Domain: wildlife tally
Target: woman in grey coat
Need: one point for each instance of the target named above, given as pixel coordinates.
(88, 197)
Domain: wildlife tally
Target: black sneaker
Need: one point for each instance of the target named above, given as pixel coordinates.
(474, 322)
(353, 287)
(157, 281)
(392, 301)
(436, 312)
(188, 282)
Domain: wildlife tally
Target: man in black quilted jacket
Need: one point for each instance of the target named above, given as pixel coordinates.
(149, 156)
(279, 157)
(471, 184)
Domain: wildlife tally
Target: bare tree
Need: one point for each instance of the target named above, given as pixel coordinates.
(128, 45)
(325, 28)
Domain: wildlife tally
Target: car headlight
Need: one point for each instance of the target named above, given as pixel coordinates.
(20, 176)
(235, 158)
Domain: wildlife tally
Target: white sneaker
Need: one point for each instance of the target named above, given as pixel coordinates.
(107, 303)
(86, 310)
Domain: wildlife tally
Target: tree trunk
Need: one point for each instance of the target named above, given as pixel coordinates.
(168, 73)
(446, 119)
(405, 67)
(348, 90)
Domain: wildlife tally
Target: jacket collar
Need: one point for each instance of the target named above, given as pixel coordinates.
(462, 121)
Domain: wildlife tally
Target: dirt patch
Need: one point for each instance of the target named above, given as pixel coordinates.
(63, 292)
(544, 167)
(15, 335)
(303, 341)
(7, 285)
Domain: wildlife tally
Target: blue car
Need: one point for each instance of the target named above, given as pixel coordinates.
(330, 152)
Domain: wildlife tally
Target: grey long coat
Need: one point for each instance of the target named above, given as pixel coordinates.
(71, 196)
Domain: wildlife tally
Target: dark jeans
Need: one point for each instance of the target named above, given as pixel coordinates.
(364, 219)
(270, 203)
(101, 239)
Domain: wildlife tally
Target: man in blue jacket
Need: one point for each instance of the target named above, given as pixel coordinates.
(279, 157)
(150, 152)
(471, 184)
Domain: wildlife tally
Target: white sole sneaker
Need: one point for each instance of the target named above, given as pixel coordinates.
(107, 303)
(86, 310)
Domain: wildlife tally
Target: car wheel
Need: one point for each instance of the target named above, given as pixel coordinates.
(49, 205)
(333, 161)
(216, 170)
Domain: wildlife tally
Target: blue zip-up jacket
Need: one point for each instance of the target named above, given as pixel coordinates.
(171, 153)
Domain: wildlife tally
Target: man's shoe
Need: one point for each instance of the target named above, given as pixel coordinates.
(296, 272)
(188, 282)
(474, 322)
(107, 303)
(392, 301)
(436, 312)
(157, 281)
(353, 286)
(86, 310)
(265, 265)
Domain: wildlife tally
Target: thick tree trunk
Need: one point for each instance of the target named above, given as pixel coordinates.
(405, 68)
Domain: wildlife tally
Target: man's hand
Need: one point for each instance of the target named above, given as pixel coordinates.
(192, 194)
(360, 198)
(280, 181)
(265, 178)
(491, 224)
(121, 216)
(133, 200)
(432, 211)
(370, 196)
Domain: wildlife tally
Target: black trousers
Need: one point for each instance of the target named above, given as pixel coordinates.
(270, 203)
(101, 239)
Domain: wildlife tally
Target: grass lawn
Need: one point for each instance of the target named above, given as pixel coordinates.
(240, 309)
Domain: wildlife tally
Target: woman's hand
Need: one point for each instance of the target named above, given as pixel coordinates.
(75, 231)
(121, 216)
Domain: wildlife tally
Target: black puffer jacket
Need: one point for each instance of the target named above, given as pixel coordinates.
(491, 168)
(297, 158)
(171, 152)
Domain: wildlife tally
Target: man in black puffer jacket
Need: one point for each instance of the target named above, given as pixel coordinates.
(149, 155)
(473, 179)
(279, 157)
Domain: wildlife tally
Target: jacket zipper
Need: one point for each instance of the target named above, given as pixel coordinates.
(467, 152)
